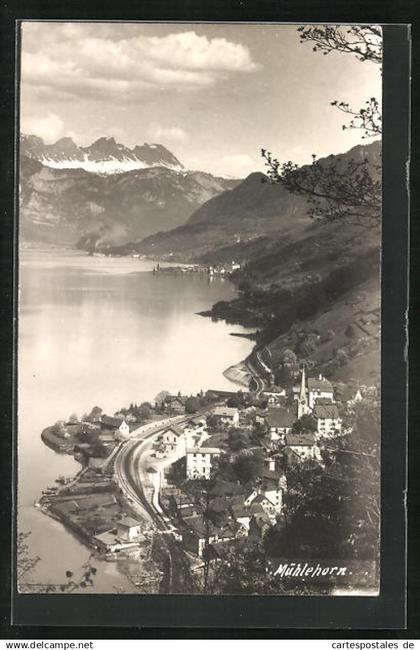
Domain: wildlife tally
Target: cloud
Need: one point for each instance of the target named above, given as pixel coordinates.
(190, 51)
(85, 60)
(49, 128)
(171, 133)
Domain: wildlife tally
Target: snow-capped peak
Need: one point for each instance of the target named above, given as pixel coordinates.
(104, 156)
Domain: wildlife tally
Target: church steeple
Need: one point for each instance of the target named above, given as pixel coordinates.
(303, 406)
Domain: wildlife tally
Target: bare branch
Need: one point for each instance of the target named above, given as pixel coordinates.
(365, 42)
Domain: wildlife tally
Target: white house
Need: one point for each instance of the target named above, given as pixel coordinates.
(196, 424)
(227, 415)
(319, 388)
(327, 418)
(258, 497)
(274, 486)
(270, 463)
(198, 531)
(172, 439)
(274, 395)
(303, 446)
(195, 431)
(279, 422)
(242, 515)
(127, 535)
(128, 529)
(275, 496)
(351, 396)
(123, 431)
(199, 461)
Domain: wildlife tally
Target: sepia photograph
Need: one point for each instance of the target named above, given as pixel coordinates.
(199, 279)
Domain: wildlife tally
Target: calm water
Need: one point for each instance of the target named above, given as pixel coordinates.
(105, 332)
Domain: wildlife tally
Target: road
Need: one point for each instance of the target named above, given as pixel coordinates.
(128, 475)
(252, 364)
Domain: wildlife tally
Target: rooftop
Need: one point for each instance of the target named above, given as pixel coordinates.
(128, 522)
(280, 417)
(325, 411)
(349, 393)
(198, 525)
(182, 499)
(108, 537)
(273, 389)
(323, 400)
(197, 419)
(226, 488)
(225, 411)
(273, 475)
(240, 511)
(261, 519)
(255, 508)
(203, 450)
(300, 440)
(219, 504)
(260, 498)
(222, 393)
(175, 429)
(112, 421)
(177, 398)
(319, 383)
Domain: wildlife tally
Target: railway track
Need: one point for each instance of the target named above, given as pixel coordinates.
(129, 480)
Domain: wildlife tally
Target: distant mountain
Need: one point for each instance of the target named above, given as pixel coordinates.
(71, 206)
(232, 223)
(104, 156)
(312, 286)
(240, 223)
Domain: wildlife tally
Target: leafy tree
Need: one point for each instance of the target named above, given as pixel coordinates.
(238, 439)
(305, 424)
(144, 411)
(234, 402)
(248, 467)
(192, 405)
(241, 569)
(288, 370)
(334, 511)
(99, 450)
(59, 428)
(73, 419)
(161, 397)
(212, 422)
(89, 435)
(95, 414)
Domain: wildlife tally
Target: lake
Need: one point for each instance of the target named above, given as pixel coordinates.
(100, 331)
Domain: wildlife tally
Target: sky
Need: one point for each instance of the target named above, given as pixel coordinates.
(213, 94)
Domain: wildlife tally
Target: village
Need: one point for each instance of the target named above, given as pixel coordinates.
(212, 270)
(221, 270)
(212, 469)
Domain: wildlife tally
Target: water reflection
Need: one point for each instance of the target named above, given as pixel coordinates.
(107, 332)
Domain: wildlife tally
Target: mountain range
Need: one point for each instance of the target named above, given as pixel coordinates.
(310, 286)
(104, 156)
(66, 200)
(245, 221)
